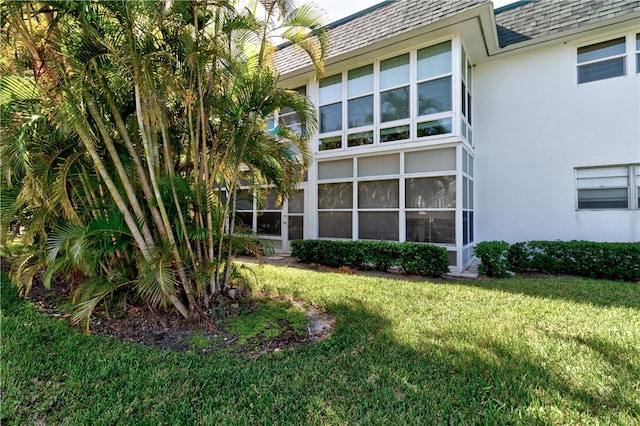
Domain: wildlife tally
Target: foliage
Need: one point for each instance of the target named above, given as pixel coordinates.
(493, 255)
(128, 129)
(511, 351)
(412, 258)
(9, 298)
(612, 261)
(423, 259)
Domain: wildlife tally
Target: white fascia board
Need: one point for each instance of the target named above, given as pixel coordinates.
(476, 20)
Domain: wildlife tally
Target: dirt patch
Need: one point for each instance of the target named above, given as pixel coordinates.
(167, 330)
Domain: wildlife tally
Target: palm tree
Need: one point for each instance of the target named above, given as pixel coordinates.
(163, 111)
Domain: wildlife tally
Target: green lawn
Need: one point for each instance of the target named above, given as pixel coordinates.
(516, 351)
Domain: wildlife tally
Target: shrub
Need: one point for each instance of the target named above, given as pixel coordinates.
(493, 255)
(613, 261)
(413, 258)
(423, 259)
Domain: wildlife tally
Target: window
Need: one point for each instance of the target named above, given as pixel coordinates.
(608, 188)
(288, 117)
(637, 53)
(407, 196)
(394, 100)
(465, 97)
(330, 100)
(269, 217)
(602, 60)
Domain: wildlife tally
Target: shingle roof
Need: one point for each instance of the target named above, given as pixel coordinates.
(527, 20)
(380, 22)
(518, 22)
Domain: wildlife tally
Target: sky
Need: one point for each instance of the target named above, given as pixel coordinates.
(337, 9)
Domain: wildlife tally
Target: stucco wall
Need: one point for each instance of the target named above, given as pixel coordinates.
(533, 125)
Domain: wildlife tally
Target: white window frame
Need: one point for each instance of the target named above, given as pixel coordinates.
(632, 187)
(413, 119)
(636, 57)
(630, 53)
(622, 56)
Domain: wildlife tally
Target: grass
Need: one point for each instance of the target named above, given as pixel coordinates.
(267, 320)
(515, 351)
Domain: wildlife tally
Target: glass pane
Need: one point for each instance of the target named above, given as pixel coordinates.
(465, 228)
(465, 193)
(378, 194)
(394, 134)
(269, 223)
(434, 96)
(471, 238)
(436, 127)
(244, 219)
(638, 63)
(335, 169)
(296, 227)
(637, 41)
(379, 165)
(394, 71)
(431, 227)
(267, 199)
(601, 70)
(378, 226)
(463, 101)
(360, 138)
(434, 192)
(330, 118)
(470, 194)
(330, 89)
(469, 105)
(601, 50)
(469, 76)
(465, 161)
(435, 160)
(296, 202)
(334, 142)
(334, 225)
(603, 198)
(244, 200)
(394, 104)
(360, 81)
(292, 121)
(335, 195)
(453, 258)
(434, 60)
(360, 111)
(603, 177)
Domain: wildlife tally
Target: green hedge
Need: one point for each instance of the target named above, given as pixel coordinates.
(493, 255)
(612, 261)
(412, 258)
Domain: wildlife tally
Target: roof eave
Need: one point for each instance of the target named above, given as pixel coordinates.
(483, 13)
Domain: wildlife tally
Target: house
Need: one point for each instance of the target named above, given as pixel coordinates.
(449, 122)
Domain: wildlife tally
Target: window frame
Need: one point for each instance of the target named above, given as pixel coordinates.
(632, 187)
(602, 60)
(434, 125)
(630, 55)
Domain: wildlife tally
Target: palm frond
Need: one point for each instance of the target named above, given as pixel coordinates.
(157, 282)
(90, 294)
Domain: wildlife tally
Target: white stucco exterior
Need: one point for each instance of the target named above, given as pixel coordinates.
(534, 125)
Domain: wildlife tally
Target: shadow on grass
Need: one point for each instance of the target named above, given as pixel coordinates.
(580, 290)
(362, 374)
(460, 380)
